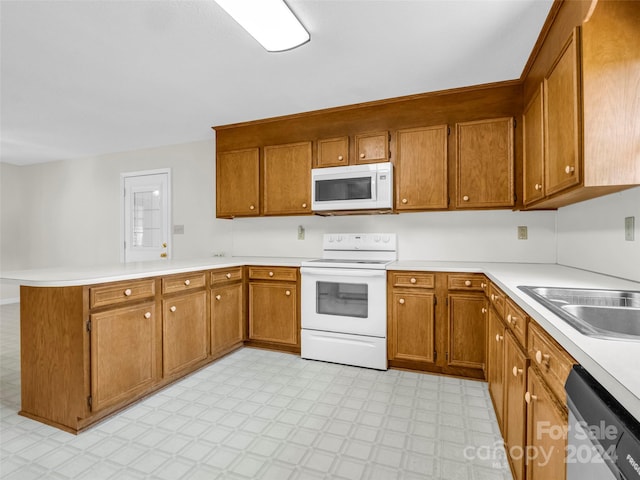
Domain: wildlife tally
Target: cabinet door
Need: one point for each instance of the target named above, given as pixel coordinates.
(495, 363)
(546, 432)
(238, 183)
(412, 326)
(185, 332)
(287, 179)
(273, 313)
(372, 148)
(563, 119)
(467, 330)
(533, 148)
(333, 152)
(515, 407)
(421, 168)
(485, 163)
(227, 318)
(123, 354)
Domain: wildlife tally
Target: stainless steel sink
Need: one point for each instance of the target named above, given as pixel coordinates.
(613, 314)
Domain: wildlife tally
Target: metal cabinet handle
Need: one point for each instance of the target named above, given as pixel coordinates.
(569, 169)
(173, 308)
(252, 207)
(271, 274)
(467, 283)
(465, 198)
(147, 315)
(538, 186)
(484, 310)
(401, 301)
(499, 337)
(287, 293)
(187, 282)
(127, 292)
(218, 297)
(413, 280)
(516, 371)
(529, 398)
(404, 200)
(362, 155)
(228, 275)
(340, 158)
(304, 205)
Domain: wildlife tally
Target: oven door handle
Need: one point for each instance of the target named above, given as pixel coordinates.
(342, 272)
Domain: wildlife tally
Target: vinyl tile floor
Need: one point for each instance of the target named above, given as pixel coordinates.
(257, 414)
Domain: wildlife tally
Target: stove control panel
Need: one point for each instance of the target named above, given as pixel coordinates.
(359, 241)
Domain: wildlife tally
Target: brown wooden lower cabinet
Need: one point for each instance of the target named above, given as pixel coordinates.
(412, 326)
(89, 351)
(437, 322)
(274, 308)
(467, 330)
(227, 318)
(515, 407)
(546, 432)
(495, 360)
(185, 331)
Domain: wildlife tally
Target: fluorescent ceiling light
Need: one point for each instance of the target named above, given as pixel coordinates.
(270, 22)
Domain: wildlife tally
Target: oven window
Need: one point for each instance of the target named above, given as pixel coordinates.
(344, 299)
(343, 189)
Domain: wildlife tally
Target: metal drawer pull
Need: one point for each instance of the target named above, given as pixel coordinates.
(271, 274)
(187, 282)
(127, 292)
(218, 297)
(528, 397)
(147, 315)
(516, 371)
(173, 308)
(287, 293)
(413, 280)
(401, 301)
(467, 283)
(498, 337)
(228, 275)
(484, 310)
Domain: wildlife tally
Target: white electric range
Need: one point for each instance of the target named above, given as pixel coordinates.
(344, 300)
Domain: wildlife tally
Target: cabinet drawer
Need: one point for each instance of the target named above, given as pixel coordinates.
(226, 275)
(413, 279)
(497, 298)
(180, 283)
(287, 274)
(115, 294)
(551, 359)
(517, 321)
(465, 281)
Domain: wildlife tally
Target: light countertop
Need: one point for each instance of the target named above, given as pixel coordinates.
(614, 363)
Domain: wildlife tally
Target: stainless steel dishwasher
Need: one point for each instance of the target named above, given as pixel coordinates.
(604, 438)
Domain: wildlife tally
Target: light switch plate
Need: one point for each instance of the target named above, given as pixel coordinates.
(300, 232)
(629, 229)
(178, 229)
(523, 233)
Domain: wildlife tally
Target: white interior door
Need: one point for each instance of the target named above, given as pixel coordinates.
(146, 216)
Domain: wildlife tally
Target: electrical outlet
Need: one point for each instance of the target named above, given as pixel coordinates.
(629, 229)
(300, 232)
(522, 232)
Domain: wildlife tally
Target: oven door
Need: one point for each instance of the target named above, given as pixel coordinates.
(344, 300)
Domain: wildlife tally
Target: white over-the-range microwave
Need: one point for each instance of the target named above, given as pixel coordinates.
(355, 187)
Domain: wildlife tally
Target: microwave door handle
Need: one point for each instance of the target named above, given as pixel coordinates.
(343, 273)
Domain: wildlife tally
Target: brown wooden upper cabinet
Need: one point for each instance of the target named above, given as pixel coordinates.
(421, 168)
(563, 119)
(533, 148)
(333, 152)
(238, 183)
(286, 176)
(484, 163)
(372, 147)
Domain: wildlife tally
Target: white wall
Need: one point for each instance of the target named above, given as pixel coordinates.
(67, 213)
(464, 235)
(591, 235)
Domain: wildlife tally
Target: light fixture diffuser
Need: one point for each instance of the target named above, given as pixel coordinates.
(270, 22)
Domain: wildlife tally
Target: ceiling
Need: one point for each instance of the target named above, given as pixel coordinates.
(84, 77)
